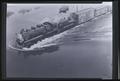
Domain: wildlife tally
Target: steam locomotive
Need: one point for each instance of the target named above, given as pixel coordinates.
(50, 27)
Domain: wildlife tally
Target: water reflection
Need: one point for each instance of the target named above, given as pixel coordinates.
(39, 51)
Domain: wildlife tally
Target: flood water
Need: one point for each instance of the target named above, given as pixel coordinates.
(81, 52)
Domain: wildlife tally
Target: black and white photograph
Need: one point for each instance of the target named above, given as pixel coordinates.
(59, 40)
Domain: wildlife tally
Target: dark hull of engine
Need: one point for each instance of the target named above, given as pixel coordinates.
(49, 34)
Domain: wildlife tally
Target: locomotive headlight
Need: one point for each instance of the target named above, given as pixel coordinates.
(20, 38)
